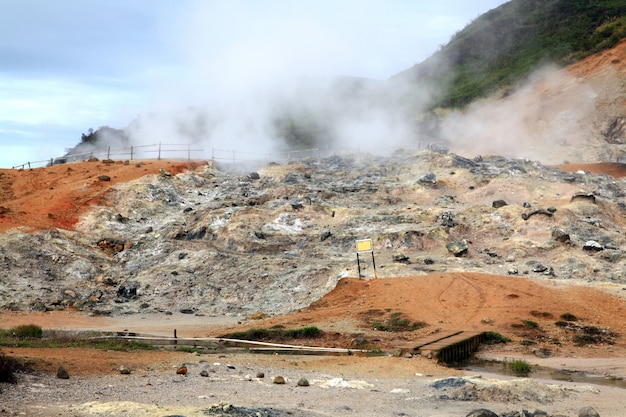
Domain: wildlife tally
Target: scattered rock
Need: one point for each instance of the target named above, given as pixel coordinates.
(182, 370)
(447, 219)
(124, 370)
(588, 197)
(593, 246)
(513, 271)
(499, 203)
(204, 373)
(429, 178)
(62, 373)
(260, 375)
(302, 382)
(279, 380)
(549, 212)
(482, 412)
(588, 411)
(104, 178)
(560, 235)
(325, 235)
(458, 248)
(400, 258)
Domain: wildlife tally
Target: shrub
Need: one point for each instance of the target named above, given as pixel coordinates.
(569, 317)
(27, 331)
(493, 338)
(561, 323)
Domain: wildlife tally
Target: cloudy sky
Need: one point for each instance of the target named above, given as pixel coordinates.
(70, 65)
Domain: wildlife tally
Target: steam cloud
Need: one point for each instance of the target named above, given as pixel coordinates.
(268, 85)
(284, 82)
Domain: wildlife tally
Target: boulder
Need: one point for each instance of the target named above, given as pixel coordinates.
(458, 248)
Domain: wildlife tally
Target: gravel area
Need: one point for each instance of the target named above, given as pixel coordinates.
(244, 385)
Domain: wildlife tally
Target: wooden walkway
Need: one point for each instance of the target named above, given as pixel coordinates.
(446, 346)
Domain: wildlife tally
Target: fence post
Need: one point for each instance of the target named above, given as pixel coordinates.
(189, 152)
(109, 152)
(131, 153)
(159, 154)
(29, 165)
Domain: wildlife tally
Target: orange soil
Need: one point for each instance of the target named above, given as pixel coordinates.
(56, 196)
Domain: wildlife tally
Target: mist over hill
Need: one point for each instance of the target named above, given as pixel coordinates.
(502, 54)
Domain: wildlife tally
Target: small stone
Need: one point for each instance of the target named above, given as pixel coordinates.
(62, 373)
(588, 411)
(279, 380)
(260, 375)
(400, 258)
(498, 203)
(124, 370)
(429, 178)
(481, 413)
(458, 248)
(104, 178)
(560, 235)
(204, 373)
(303, 382)
(592, 245)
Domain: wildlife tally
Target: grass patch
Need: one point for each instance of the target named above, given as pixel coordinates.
(541, 313)
(494, 338)
(529, 324)
(397, 323)
(276, 333)
(519, 367)
(189, 349)
(569, 317)
(34, 337)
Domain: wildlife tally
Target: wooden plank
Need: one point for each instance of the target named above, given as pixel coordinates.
(415, 346)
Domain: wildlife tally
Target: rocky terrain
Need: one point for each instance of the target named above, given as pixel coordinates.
(212, 241)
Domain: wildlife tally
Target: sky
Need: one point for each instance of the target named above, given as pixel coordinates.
(70, 65)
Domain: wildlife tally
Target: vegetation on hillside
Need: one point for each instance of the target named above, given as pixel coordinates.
(504, 45)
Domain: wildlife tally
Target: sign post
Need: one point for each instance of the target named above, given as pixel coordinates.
(365, 246)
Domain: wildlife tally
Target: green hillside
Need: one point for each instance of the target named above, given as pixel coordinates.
(503, 45)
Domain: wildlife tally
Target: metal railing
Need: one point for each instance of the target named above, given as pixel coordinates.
(189, 152)
(130, 152)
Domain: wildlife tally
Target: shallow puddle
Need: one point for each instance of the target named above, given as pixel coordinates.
(540, 372)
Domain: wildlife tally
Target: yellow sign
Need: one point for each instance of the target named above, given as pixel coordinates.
(364, 245)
